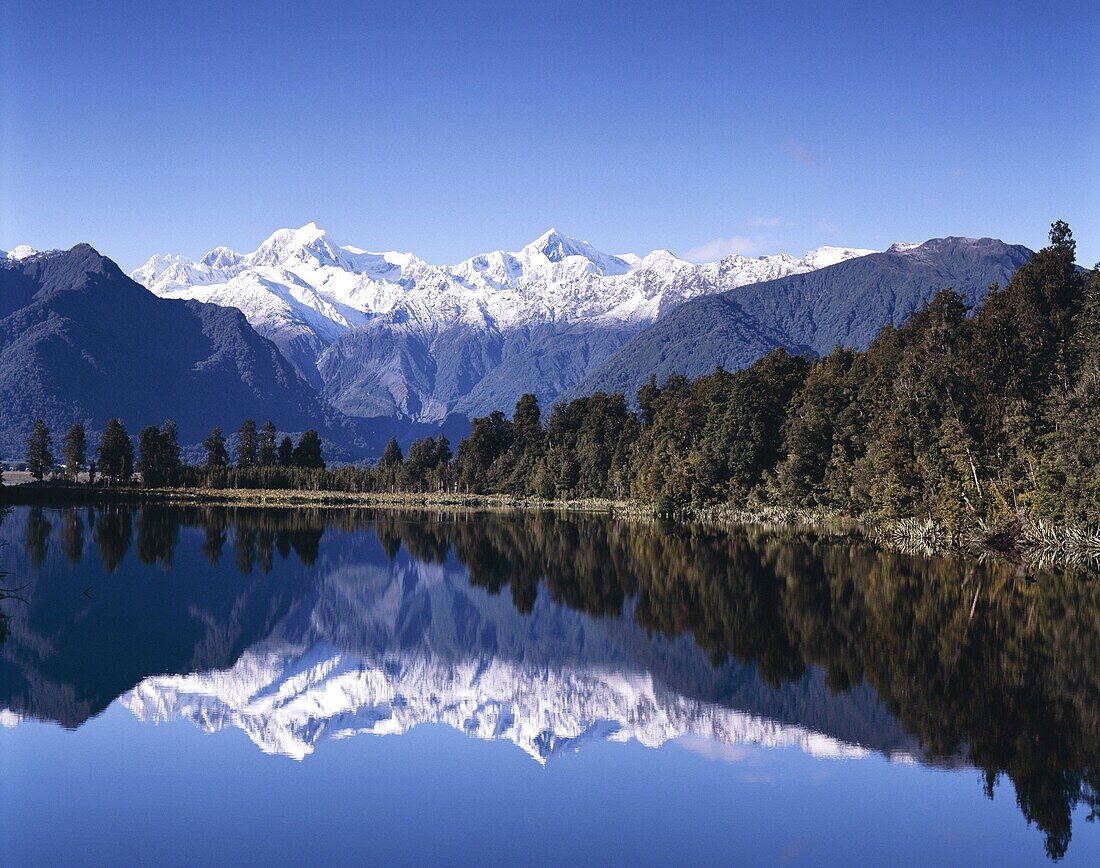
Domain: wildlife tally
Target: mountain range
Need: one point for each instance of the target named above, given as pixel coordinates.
(370, 345)
(387, 334)
(844, 305)
(80, 341)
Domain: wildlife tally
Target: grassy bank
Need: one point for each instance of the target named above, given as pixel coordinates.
(1038, 543)
(54, 493)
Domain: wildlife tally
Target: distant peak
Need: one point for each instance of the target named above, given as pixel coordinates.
(221, 257)
(823, 257)
(556, 247)
(553, 242)
(302, 235)
(287, 243)
(20, 251)
(662, 253)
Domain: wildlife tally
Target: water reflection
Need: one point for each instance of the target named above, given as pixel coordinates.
(298, 625)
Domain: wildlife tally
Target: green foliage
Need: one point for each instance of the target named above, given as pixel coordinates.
(74, 450)
(307, 454)
(248, 445)
(39, 451)
(286, 452)
(490, 439)
(159, 460)
(267, 454)
(426, 466)
(217, 456)
(116, 453)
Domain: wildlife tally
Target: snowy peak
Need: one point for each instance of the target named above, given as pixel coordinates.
(304, 291)
(20, 251)
(823, 257)
(557, 248)
(307, 242)
(221, 257)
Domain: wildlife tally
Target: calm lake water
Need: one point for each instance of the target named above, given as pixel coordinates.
(186, 685)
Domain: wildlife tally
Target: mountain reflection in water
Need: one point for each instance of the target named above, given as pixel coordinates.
(299, 625)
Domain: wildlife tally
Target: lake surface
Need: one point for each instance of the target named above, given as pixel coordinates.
(209, 685)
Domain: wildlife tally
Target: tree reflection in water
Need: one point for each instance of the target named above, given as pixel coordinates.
(975, 659)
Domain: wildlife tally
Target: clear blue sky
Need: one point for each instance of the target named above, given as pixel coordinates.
(454, 128)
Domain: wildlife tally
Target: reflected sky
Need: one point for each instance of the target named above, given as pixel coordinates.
(530, 687)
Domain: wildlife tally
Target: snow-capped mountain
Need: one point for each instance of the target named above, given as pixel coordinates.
(20, 251)
(390, 334)
(553, 279)
(288, 699)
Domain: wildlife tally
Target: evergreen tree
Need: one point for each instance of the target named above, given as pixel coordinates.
(267, 455)
(171, 458)
(490, 438)
(286, 452)
(116, 453)
(307, 454)
(159, 460)
(148, 461)
(391, 455)
(443, 454)
(1078, 439)
(75, 450)
(216, 454)
(247, 444)
(417, 466)
(40, 459)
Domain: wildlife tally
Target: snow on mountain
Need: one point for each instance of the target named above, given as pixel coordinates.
(304, 291)
(554, 278)
(288, 699)
(20, 251)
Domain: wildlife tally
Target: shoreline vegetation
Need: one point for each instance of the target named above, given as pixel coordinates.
(975, 431)
(1037, 545)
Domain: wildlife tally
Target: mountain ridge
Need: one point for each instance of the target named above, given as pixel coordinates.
(845, 304)
(388, 334)
(81, 341)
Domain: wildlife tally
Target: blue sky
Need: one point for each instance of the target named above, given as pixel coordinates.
(454, 128)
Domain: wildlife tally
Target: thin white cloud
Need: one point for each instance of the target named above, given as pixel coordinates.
(720, 248)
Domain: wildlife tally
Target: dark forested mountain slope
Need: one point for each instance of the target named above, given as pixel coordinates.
(693, 340)
(81, 341)
(843, 305)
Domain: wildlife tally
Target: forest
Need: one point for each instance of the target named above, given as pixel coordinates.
(966, 418)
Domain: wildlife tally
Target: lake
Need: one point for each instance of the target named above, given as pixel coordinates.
(183, 685)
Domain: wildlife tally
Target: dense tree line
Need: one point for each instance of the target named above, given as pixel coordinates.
(965, 417)
(158, 460)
